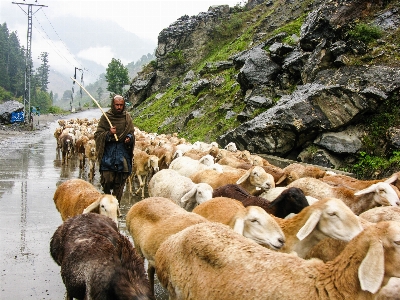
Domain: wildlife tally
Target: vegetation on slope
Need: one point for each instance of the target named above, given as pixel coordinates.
(204, 116)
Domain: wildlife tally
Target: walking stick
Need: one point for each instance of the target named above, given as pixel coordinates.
(94, 100)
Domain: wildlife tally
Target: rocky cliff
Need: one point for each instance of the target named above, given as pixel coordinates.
(306, 80)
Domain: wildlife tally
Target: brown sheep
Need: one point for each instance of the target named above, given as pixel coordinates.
(66, 142)
(80, 149)
(77, 196)
(295, 171)
(91, 154)
(144, 165)
(151, 221)
(97, 261)
(210, 261)
(252, 180)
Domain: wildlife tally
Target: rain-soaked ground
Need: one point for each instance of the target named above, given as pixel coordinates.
(30, 171)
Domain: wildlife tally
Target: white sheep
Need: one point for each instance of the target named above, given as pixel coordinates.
(377, 194)
(326, 218)
(382, 213)
(329, 248)
(209, 261)
(252, 222)
(390, 291)
(231, 147)
(151, 221)
(187, 166)
(181, 189)
(252, 180)
(77, 196)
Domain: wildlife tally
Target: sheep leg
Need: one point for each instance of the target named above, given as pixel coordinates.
(144, 181)
(68, 297)
(151, 271)
(130, 182)
(91, 170)
(141, 184)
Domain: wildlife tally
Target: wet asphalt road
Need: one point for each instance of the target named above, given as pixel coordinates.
(30, 171)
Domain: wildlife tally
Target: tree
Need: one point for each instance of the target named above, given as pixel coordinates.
(41, 99)
(116, 76)
(16, 66)
(43, 71)
(99, 92)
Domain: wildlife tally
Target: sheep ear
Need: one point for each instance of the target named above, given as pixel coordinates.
(309, 226)
(189, 194)
(367, 190)
(92, 206)
(281, 179)
(392, 178)
(244, 177)
(372, 268)
(239, 226)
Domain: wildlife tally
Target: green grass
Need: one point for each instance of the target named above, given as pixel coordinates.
(365, 33)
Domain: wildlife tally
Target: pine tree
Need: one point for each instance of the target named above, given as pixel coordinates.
(43, 71)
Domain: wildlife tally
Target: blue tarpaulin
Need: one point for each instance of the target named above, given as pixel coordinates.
(17, 117)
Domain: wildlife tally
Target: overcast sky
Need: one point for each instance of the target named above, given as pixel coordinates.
(145, 19)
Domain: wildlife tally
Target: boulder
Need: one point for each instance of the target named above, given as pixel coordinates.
(7, 108)
(299, 118)
(258, 69)
(140, 88)
(339, 142)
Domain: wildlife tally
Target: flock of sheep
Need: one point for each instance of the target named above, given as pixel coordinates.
(227, 224)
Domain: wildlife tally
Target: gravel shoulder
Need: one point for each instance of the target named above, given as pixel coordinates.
(18, 129)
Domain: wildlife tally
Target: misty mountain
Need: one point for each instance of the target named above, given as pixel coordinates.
(123, 45)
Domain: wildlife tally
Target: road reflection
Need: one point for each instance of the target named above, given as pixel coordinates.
(30, 171)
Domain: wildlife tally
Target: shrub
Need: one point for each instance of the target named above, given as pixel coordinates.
(365, 33)
(175, 58)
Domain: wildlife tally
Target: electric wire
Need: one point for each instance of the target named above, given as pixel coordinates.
(54, 46)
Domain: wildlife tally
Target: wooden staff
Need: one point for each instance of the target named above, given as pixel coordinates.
(94, 100)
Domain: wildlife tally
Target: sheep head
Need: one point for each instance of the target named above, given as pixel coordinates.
(258, 177)
(201, 192)
(106, 205)
(332, 218)
(383, 194)
(260, 227)
(383, 255)
(152, 163)
(207, 160)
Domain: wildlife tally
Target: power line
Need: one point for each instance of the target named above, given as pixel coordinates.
(54, 46)
(60, 41)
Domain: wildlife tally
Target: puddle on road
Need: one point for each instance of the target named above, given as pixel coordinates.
(30, 171)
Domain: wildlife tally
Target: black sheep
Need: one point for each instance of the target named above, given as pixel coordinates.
(97, 261)
(291, 200)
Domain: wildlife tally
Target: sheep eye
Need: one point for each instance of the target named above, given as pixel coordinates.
(397, 242)
(254, 221)
(332, 214)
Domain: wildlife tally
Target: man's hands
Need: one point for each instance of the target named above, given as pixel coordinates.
(113, 130)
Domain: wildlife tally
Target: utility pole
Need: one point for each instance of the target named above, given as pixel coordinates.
(28, 58)
(73, 90)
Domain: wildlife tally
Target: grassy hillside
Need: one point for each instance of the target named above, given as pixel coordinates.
(213, 112)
